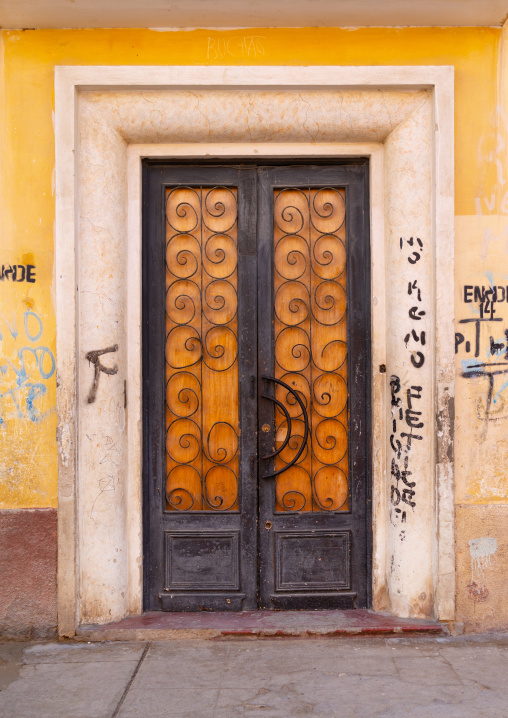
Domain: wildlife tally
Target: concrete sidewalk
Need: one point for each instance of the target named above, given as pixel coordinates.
(273, 678)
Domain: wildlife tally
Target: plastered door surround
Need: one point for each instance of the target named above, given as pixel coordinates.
(107, 120)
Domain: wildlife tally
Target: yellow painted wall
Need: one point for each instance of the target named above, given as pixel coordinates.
(28, 475)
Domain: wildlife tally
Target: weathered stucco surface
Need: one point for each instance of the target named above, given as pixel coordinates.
(482, 567)
(481, 429)
(28, 467)
(28, 550)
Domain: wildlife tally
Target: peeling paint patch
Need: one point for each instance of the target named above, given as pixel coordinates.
(481, 550)
(64, 442)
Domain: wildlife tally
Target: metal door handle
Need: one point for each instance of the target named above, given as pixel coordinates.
(288, 420)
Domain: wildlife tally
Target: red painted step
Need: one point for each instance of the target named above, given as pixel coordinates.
(300, 624)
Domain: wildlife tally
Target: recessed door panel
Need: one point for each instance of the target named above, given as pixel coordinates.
(316, 560)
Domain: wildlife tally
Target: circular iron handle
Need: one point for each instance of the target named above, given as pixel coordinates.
(288, 418)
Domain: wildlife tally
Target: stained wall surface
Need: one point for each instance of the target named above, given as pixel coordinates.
(28, 473)
(28, 555)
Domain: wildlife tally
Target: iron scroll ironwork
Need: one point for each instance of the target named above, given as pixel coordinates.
(288, 420)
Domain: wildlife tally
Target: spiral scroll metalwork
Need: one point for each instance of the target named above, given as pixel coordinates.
(202, 426)
(310, 349)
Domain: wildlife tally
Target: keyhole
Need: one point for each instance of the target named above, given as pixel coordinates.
(265, 428)
(268, 525)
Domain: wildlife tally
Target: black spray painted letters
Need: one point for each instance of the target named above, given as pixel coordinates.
(93, 357)
(17, 273)
(489, 341)
(402, 490)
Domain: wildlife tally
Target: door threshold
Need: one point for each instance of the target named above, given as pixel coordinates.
(160, 626)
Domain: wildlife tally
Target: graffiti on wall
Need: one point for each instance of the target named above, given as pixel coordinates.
(482, 337)
(18, 273)
(482, 343)
(26, 370)
(239, 46)
(93, 357)
(406, 417)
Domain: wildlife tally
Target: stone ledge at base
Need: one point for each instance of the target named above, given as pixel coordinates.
(157, 626)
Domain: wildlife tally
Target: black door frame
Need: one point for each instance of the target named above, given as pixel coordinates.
(244, 595)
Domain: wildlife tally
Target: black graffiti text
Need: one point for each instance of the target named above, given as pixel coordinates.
(17, 273)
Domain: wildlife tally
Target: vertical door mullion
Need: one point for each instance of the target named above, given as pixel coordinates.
(247, 352)
(265, 368)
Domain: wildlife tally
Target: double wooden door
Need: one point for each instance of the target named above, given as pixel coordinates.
(256, 370)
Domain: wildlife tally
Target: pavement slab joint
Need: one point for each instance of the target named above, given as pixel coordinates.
(347, 677)
(129, 684)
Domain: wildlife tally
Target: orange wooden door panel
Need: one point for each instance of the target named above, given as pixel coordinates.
(310, 331)
(202, 405)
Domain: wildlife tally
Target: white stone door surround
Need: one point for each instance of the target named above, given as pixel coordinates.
(106, 120)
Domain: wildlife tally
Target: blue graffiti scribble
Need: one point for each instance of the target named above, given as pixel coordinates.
(34, 390)
(27, 314)
(474, 367)
(13, 329)
(469, 364)
(500, 391)
(24, 388)
(40, 354)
